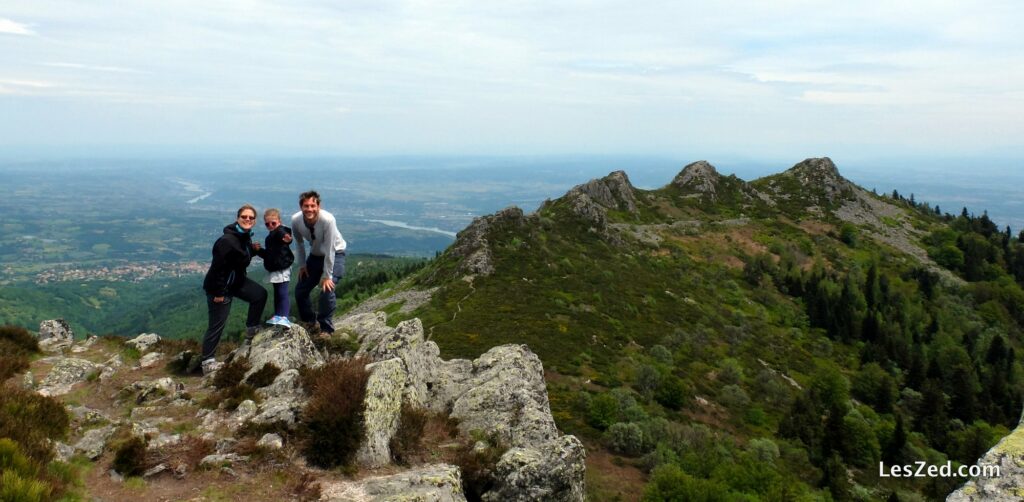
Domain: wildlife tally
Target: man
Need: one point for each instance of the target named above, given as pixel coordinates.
(325, 264)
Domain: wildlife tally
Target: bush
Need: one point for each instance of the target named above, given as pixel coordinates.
(11, 365)
(604, 410)
(231, 374)
(130, 457)
(627, 439)
(264, 376)
(32, 421)
(19, 337)
(672, 393)
(407, 443)
(332, 421)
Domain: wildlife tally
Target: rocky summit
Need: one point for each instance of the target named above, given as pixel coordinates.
(199, 434)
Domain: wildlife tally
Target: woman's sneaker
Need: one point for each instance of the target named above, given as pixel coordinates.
(283, 321)
(275, 321)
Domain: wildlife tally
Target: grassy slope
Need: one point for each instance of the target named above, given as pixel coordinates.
(592, 311)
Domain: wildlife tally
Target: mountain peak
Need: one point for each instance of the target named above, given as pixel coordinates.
(699, 176)
(614, 191)
(817, 170)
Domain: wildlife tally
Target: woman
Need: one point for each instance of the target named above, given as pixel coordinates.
(226, 280)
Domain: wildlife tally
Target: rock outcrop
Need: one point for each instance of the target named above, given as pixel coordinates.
(286, 348)
(144, 342)
(501, 394)
(383, 408)
(55, 335)
(699, 177)
(472, 247)
(65, 373)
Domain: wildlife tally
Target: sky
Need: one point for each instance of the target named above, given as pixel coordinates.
(782, 79)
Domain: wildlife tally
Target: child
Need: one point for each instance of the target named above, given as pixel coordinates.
(277, 259)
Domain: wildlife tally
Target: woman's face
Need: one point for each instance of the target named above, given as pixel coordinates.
(247, 219)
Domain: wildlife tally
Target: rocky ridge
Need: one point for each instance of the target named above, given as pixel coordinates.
(137, 401)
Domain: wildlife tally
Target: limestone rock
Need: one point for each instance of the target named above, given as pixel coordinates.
(66, 372)
(382, 408)
(286, 348)
(144, 342)
(428, 483)
(92, 443)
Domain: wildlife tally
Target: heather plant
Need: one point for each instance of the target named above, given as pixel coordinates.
(32, 421)
(407, 443)
(130, 457)
(478, 466)
(332, 421)
(264, 376)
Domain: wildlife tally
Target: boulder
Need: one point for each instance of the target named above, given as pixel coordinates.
(55, 328)
(433, 483)
(144, 342)
(55, 335)
(153, 390)
(271, 441)
(553, 472)
(287, 348)
(150, 360)
(382, 408)
(92, 443)
(286, 384)
(65, 373)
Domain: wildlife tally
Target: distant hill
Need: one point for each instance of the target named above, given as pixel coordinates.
(772, 339)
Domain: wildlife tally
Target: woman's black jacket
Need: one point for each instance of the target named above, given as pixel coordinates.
(231, 255)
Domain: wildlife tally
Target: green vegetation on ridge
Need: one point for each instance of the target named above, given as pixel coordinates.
(762, 357)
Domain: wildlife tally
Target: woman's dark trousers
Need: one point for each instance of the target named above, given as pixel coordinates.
(250, 292)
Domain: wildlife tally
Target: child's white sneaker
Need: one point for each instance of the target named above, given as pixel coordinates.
(283, 321)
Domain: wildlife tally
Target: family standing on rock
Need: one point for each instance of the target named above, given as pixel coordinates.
(233, 251)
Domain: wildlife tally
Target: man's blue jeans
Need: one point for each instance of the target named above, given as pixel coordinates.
(328, 301)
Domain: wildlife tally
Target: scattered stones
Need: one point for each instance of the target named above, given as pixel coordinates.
(144, 341)
(436, 483)
(154, 390)
(246, 410)
(85, 415)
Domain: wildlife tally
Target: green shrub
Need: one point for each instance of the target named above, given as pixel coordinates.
(407, 442)
(130, 457)
(332, 421)
(627, 439)
(604, 410)
(264, 376)
(16, 488)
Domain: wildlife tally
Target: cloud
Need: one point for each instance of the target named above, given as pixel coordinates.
(77, 66)
(14, 28)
